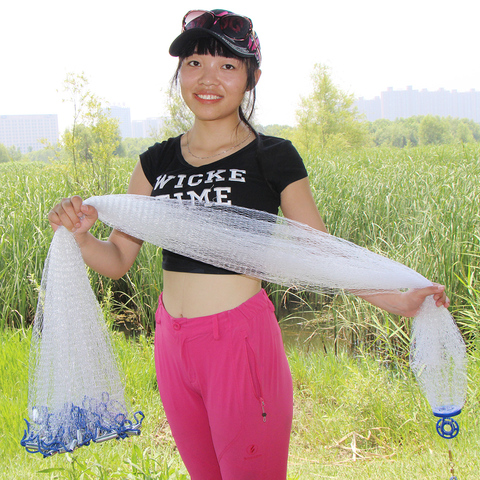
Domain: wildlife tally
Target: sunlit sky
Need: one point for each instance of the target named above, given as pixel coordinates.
(122, 47)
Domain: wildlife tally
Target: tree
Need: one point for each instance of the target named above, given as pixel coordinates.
(105, 131)
(464, 134)
(403, 132)
(75, 87)
(94, 135)
(180, 118)
(9, 154)
(433, 130)
(4, 155)
(327, 118)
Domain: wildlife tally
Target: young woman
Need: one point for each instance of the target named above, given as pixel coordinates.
(222, 372)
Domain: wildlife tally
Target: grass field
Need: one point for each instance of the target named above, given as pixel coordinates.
(353, 419)
(418, 206)
(358, 412)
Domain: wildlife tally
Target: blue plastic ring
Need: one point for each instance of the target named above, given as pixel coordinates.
(447, 428)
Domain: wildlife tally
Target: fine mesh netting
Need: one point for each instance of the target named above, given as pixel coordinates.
(75, 389)
(245, 241)
(438, 359)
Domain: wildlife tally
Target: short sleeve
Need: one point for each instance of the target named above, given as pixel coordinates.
(282, 163)
(149, 161)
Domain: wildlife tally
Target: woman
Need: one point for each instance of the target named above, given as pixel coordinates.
(221, 367)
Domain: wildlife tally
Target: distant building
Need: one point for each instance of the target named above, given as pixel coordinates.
(147, 128)
(135, 128)
(394, 104)
(26, 131)
(125, 122)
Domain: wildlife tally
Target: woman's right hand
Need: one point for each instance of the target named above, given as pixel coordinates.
(73, 215)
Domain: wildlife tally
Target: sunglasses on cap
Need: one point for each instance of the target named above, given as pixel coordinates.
(235, 27)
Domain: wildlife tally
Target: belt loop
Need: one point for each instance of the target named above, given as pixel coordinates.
(216, 335)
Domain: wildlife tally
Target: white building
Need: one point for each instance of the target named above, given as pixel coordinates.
(147, 128)
(124, 119)
(26, 131)
(393, 104)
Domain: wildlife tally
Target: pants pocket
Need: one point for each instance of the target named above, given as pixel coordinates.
(257, 387)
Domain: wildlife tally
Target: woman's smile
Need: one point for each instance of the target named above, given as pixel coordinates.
(215, 82)
(208, 97)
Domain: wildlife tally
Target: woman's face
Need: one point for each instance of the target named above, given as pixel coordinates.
(213, 87)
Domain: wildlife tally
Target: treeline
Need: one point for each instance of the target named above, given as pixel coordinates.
(9, 154)
(423, 130)
(327, 119)
(406, 132)
(400, 133)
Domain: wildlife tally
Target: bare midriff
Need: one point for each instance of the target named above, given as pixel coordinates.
(193, 295)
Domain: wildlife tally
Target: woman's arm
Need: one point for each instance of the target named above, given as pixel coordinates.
(297, 203)
(113, 257)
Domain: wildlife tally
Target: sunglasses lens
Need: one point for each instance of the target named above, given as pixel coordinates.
(198, 19)
(235, 27)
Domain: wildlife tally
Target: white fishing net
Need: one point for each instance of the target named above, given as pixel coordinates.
(438, 359)
(72, 361)
(75, 390)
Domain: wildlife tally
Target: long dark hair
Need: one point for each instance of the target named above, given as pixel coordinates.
(210, 45)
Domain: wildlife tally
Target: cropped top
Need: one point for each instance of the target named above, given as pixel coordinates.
(252, 177)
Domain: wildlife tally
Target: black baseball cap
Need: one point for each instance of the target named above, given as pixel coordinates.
(234, 31)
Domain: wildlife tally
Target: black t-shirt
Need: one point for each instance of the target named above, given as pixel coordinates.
(253, 177)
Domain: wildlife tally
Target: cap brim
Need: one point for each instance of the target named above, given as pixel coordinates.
(180, 42)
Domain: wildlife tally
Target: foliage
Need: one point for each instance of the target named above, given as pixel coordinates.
(75, 87)
(424, 130)
(353, 418)
(94, 135)
(9, 154)
(432, 131)
(49, 153)
(133, 147)
(402, 203)
(4, 155)
(327, 118)
(179, 119)
(282, 131)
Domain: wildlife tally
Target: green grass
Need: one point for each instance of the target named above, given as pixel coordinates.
(418, 206)
(27, 192)
(153, 451)
(338, 400)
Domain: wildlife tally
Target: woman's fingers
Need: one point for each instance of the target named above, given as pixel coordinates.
(69, 213)
(438, 292)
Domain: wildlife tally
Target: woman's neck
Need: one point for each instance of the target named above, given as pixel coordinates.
(208, 142)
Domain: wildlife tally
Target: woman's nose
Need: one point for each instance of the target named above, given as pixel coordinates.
(209, 76)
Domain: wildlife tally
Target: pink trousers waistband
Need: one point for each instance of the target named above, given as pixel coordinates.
(197, 325)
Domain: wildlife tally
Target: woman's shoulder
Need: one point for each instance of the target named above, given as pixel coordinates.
(277, 146)
(157, 155)
(161, 148)
(270, 140)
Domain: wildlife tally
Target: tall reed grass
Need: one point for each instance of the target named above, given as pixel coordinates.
(28, 191)
(418, 206)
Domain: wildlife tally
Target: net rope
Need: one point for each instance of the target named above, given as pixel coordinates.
(72, 362)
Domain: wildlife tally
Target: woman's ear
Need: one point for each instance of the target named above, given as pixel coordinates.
(258, 73)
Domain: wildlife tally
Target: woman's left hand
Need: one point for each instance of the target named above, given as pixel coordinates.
(413, 299)
(408, 303)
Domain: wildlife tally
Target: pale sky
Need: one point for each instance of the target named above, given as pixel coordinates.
(122, 47)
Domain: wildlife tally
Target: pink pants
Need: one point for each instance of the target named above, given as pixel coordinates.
(226, 388)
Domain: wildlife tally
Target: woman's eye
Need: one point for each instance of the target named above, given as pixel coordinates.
(194, 63)
(229, 66)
